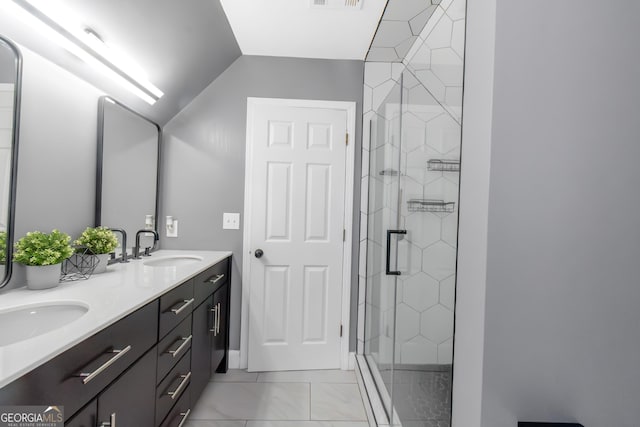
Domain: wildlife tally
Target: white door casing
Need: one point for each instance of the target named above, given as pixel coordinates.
(298, 207)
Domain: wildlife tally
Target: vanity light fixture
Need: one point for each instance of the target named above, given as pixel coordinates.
(88, 46)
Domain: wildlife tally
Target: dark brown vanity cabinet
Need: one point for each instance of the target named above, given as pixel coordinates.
(210, 326)
(220, 337)
(128, 401)
(147, 369)
(75, 377)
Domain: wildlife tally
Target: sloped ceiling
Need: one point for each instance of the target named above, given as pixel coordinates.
(294, 28)
(401, 23)
(182, 45)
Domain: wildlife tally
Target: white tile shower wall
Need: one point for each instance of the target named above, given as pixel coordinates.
(431, 129)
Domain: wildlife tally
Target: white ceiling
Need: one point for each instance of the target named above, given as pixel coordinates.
(182, 45)
(293, 28)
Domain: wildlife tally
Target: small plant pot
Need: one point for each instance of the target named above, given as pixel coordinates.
(43, 276)
(103, 260)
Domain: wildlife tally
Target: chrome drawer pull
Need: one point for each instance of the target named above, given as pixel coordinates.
(88, 376)
(216, 280)
(185, 343)
(214, 310)
(111, 423)
(183, 384)
(184, 415)
(186, 304)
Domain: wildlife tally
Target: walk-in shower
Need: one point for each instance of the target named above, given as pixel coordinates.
(411, 216)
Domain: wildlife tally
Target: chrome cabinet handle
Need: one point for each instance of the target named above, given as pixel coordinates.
(111, 423)
(216, 280)
(184, 415)
(218, 320)
(214, 310)
(186, 304)
(185, 343)
(183, 384)
(88, 376)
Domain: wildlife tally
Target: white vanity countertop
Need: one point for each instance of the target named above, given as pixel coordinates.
(110, 296)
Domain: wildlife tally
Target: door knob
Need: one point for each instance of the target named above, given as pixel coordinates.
(258, 253)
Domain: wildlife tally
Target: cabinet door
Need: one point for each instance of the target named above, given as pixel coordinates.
(130, 400)
(86, 417)
(203, 321)
(220, 335)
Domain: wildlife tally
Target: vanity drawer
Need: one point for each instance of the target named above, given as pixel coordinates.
(175, 306)
(173, 347)
(57, 382)
(210, 280)
(178, 415)
(174, 386)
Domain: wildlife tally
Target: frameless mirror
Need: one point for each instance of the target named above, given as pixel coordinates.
(127, 172)
(10, 86)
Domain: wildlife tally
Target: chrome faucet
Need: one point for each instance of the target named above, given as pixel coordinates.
(136, 248)
(124, 245)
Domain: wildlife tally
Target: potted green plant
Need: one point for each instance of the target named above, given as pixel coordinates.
(3, 247)
(100, 241)
(42, 254)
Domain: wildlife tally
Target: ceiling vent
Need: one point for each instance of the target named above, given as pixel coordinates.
(336, 4)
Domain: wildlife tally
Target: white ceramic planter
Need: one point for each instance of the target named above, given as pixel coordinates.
(43, 276)
(103, 260)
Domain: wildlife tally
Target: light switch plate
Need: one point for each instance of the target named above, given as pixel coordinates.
(231, 221)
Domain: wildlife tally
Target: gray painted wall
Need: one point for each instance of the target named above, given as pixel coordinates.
(204, 152)
(57, 151)
(7, 65)
(562, 325)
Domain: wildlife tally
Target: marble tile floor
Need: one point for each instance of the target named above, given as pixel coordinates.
(280, 399)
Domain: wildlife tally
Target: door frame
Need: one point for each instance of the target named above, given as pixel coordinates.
(350, 109)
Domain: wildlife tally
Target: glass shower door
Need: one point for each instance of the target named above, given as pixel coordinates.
(423, 346)
(384, 197)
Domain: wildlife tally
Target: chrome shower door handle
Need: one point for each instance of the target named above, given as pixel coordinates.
(388, 270)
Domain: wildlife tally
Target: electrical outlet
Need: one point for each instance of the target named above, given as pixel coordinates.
(231, 221)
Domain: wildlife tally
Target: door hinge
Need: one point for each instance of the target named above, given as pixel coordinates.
(344, 235)
(340, 331)
(347, 139)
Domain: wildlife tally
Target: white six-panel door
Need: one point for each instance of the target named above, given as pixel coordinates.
(296, 218)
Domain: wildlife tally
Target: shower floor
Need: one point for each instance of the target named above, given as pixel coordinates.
(422, 398)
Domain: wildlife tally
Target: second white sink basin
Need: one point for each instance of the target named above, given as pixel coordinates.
(22, 323)
(173, 261)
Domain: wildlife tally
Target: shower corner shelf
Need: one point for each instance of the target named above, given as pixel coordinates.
(430, 205)
(443, 165)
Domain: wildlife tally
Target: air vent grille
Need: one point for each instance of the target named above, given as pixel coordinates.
(336, 4)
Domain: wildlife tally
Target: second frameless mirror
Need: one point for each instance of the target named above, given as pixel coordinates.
(10, 82)
(127, 177)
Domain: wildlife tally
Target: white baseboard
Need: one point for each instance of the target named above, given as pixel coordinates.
(234, 359)
(352, 361)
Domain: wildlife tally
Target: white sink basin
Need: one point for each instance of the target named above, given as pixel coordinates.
(173, 261)
(22, 323)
